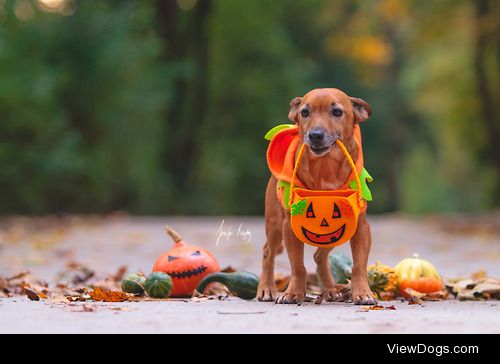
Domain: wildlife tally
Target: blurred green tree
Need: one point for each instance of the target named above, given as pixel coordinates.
(160, 106)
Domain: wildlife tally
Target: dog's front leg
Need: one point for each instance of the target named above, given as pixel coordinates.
(360, 245)
(296, 290)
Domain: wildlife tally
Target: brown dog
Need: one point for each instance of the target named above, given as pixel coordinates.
(323, 116)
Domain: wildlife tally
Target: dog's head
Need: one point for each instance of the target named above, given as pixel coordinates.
(326, 115)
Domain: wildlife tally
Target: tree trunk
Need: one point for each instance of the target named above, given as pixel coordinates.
(486, 50)
(186, 38)
(398, 118)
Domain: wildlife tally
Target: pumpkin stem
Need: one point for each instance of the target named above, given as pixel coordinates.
(173, 234)
(416, 256)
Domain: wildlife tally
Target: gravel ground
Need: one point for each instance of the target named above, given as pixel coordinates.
(457, 245)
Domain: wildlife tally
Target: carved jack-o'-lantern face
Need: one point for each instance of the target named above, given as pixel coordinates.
(324, 221)
(187, 265)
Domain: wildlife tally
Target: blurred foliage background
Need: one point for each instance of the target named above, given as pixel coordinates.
(160, 107)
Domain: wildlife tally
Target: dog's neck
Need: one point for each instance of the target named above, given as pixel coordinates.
(328, 172)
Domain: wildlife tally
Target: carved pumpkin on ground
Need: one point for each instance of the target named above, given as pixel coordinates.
(186, 264)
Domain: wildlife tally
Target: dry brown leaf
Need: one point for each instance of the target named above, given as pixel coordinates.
(99, 294)
(466, 295)
(32, 295)
(436, 296)
(228, 269)
(18, 275)
(373, 308)
(216, 289)
(58, 299)
(118, 276)
(4, 284)
(487, 290)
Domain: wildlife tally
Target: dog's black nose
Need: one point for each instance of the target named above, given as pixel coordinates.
(316, 135)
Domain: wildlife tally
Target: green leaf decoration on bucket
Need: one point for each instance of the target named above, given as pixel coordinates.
(364, 177)
(284, 187)
(299, 207)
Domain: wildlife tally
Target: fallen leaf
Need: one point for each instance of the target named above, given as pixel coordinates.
(118, 276)
(18, 275)
(57, 299)
(373, 308)
(228, 269)
(466, 295)
(387, 296)
(490, 289)
(436, 296)
(216, 289)
(390, 307)
(480, 274)
(99, 294)
(4, 284)
(32, 295)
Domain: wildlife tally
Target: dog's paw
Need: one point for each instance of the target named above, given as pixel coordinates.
(266, 293)
(364, 298)
(334, 295)
(290, 298)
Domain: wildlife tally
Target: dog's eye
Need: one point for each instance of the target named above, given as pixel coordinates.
(305, 113)
(337, 112)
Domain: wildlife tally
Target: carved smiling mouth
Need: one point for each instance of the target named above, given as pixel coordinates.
(188, 273)
(324, 238)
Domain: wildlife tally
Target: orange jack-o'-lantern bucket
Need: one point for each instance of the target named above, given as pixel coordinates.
(325, 218)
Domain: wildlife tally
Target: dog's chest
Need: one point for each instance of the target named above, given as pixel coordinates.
(325, 176)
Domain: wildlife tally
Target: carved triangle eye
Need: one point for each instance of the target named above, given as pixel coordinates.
(171, 258)
(310, 211)
(196, 253)
(336, 212)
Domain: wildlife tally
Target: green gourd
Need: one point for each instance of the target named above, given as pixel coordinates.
(159, 285)
(134, 283)
(341, 267)
(241, 284)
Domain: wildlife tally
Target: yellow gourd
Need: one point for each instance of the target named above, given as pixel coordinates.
(418, 274)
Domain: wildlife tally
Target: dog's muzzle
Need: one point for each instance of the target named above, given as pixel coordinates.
(320, 141)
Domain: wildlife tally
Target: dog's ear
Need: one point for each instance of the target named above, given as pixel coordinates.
(294, 108)
(362, 110)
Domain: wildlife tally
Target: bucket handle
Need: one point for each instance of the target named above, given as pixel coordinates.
(349, 159)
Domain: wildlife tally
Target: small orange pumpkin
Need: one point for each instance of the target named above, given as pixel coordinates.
(422, 285)
(417, 274)
(186, 264)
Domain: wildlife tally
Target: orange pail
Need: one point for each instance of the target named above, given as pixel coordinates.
(325, 218)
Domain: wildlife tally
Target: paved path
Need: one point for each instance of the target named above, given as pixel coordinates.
(457, 246)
